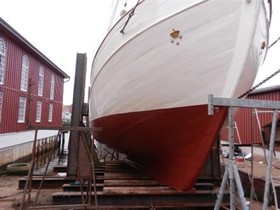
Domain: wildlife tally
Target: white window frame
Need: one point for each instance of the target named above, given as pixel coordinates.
(1, 105)
(41, 81)
(50, 113)
(21, 109)
(2, 60)
(24, 73)
(38, 111)
(52, 87)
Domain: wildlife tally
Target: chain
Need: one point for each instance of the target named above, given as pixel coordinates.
(259, 84)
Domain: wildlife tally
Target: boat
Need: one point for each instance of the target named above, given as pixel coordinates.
(153, 72)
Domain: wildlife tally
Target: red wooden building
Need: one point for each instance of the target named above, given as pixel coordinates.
(31, 86)
(247, 119)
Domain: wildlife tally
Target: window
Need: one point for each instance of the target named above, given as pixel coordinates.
(38, 111)
(24, 73)
(1, 104)
(21, 109)
(2, 60)
(50, 112)
(52, 87)
(41, 82)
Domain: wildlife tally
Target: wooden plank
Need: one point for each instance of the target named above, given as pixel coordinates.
(135, 190)
(125, 183)
(122, 170)
(77, 187)
(126, 186)
(64, 169)
(125, 176)
(117, 201)
(51, 182)
(202, 186)
(118, 183)
(152, 190)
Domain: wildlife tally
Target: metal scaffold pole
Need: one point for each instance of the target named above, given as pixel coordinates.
(231, 171)
(231, 160)
(269, 160)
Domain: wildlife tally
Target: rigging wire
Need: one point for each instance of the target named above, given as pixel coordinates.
(129, 16)
(273, 74)
(259, 84)
(274, 42)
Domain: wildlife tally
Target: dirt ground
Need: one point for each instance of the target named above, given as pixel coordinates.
(11, 196)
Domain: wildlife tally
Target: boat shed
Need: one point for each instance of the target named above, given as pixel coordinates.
(31, 88)
(250, 124)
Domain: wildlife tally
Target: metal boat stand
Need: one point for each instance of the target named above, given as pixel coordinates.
(231, 172)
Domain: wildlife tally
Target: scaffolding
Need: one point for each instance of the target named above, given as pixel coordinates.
(82, 132)
(231, 172)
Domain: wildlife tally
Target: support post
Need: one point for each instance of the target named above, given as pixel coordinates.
(77, 117)
(269, 161)
(231, 156)
(30, 173)
(231, 172)
(248, 103)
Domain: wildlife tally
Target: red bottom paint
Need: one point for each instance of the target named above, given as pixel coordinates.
(171, 145)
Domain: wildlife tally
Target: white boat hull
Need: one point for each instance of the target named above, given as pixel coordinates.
(150, 84)
(219, 53)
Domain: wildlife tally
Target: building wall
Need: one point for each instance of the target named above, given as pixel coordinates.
(11, 90)
(246, 119)
(16, 152)
(17, 145)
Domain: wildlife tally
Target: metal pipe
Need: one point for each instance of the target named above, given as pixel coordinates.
(46, 169)
(245, 161)
(269, 165)
(239, 188)
(221, 191)
(92, 167)
(252, 190)
(30, 172)
(231, 156)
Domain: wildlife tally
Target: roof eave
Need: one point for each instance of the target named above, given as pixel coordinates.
(16, 36)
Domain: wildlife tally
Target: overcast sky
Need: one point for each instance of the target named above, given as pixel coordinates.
(62, 28)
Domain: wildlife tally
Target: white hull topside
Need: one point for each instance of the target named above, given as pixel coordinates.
(218, 51)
